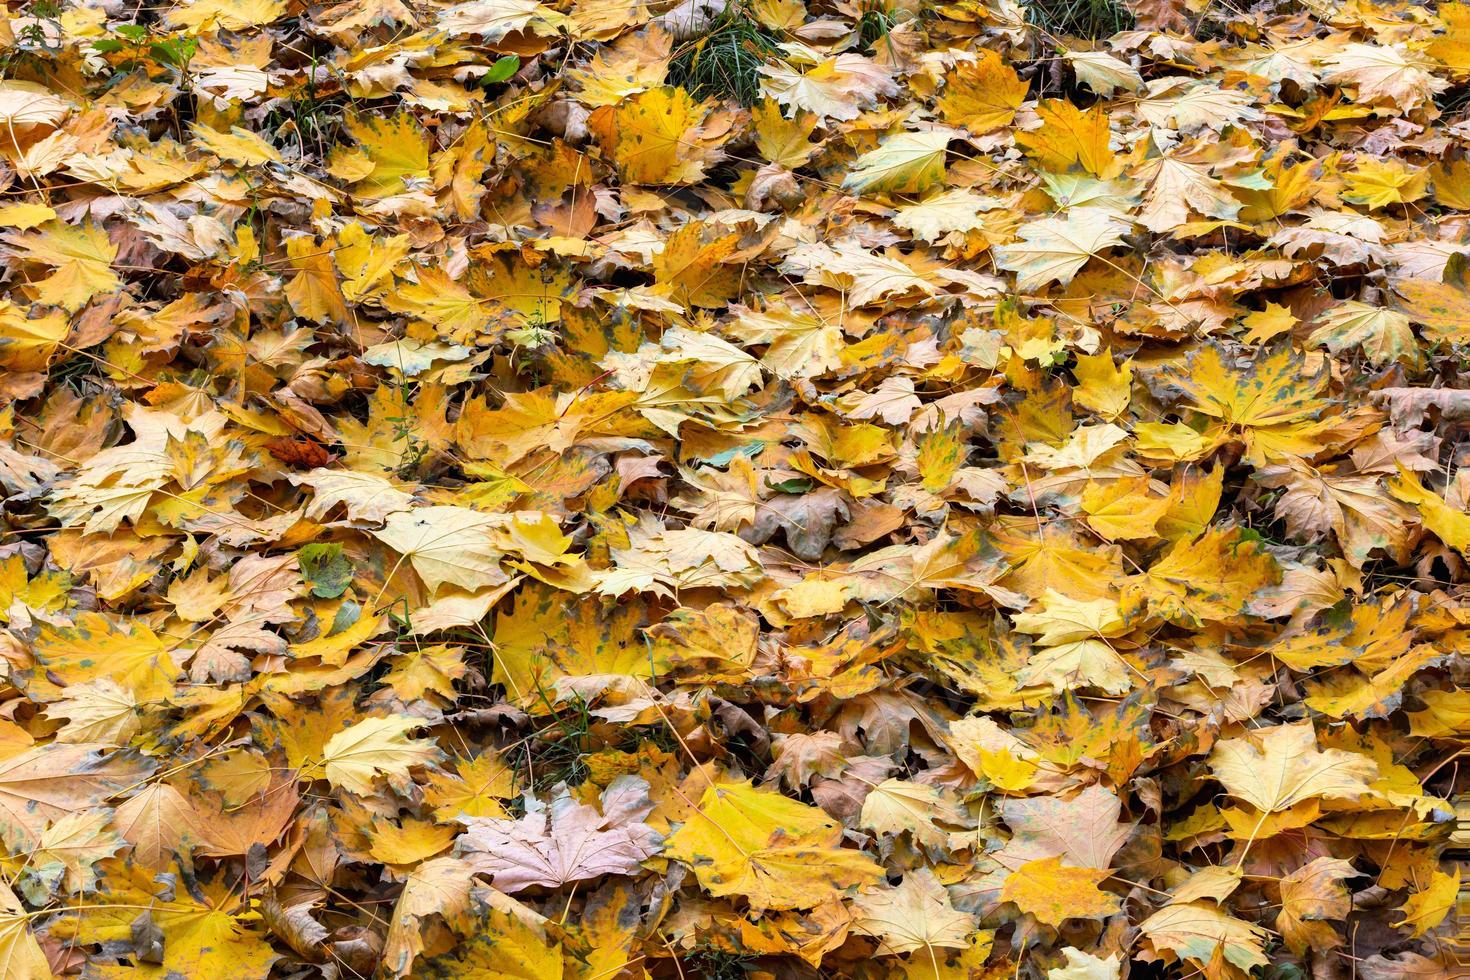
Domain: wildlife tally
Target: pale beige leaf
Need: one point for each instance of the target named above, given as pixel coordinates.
(1056, 249)
(915, 914)
(1276, 768)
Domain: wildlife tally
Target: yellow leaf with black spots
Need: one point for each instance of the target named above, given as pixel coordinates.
(396, 147)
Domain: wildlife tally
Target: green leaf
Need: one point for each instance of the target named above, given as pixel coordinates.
(175, 51)
(501, 70)
(327, 570)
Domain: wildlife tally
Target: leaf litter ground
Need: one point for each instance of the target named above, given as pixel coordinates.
(601, 491)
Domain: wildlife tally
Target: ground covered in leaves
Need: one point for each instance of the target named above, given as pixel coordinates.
(593, 491)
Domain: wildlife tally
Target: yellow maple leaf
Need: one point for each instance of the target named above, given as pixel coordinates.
(47, 782)
(25, 216)
(1072, 648)
(1442, 307)
(1288, 187)
(1429, 905)
(366, 261)
(982, 95)
(780, 140)
(396, 151)
(905, 163)
(1211, 578)
(27, 343)
(653, 137)
(203, 937)
(314, 293)
(799, 343)
(1103, 386)
(542, 639)
(444, 304)
(1446, 714)
(99, 647)
(1450, 525)
(774, 851)
(333, 648)
(898, 805)
(1007, 772)
(1056, 249)
(691, 270)
(20, 954)
(1201, 932)
(1271, 404)
(1275, 769)
(80, 255)
(474, 788)
(1453, 47)
(425, 672)
(241, 146)
(1054, 892)
(447, 544)
(1381, 183)
(231, 15)
(160, 822)
(532, 293)
(1381, 72)
(408, 842)
(440, 886)
(1309, 895)
(915, 914)
(1071, 138)
(1383, 335)
(1123, 510)
(355, 756)
(836, 88)
(509, 939)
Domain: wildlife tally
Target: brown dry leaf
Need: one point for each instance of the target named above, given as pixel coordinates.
(48, 782)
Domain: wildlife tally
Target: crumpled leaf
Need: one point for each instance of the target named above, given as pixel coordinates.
(1312, 896)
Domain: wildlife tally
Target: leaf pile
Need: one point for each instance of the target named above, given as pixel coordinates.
(600, 491)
